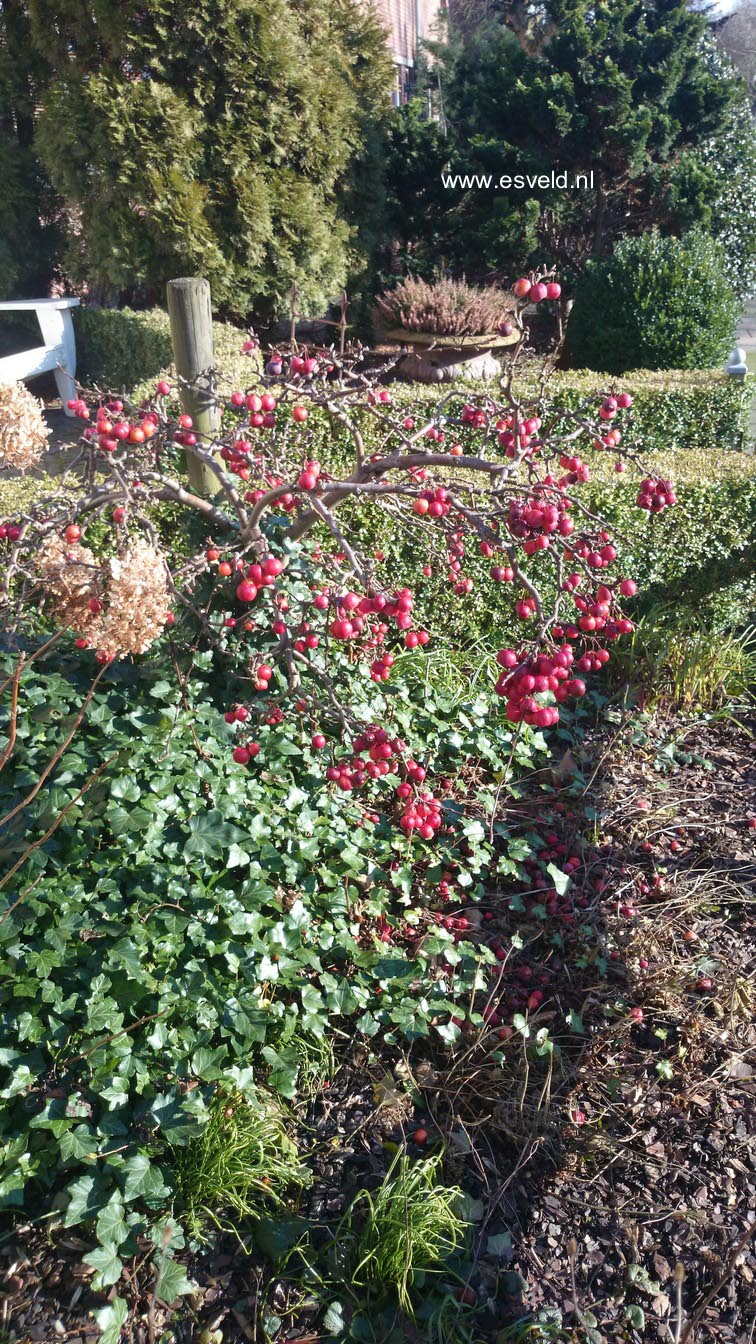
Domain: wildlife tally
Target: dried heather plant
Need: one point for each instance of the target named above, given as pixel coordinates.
(23, 432)
(444, 308)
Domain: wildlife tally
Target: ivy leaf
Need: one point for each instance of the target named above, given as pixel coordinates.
(143, 1179)
(111, 1319)
(561, 880)
(104, 1260)
(172, 1281)
(85, 1199)
(112, 1228)
(333, 1321)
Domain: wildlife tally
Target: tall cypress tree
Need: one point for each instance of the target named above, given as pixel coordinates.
(211, 136)
(29, 234)
(620, 88)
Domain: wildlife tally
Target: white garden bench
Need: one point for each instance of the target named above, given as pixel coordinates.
(58, 354)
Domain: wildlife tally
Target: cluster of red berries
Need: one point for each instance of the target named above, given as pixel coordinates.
(236, 714)
(383, 755)
(78, 408)
(258, 575)
(288, 501)
(598, 553)
(610, 405)
(380, 668)
(526, 677)
(112, 430)
(260, 405)
(309, 476)
(576, 469)
(246, 752)
(655, 495)
(422, 815)
(523, 438)
(611, 439)
(263, 674)
(474, 416)
(237, 458)
(9, 532)
(595, 612)
(533, 521)
(434, 503)
(304, 366)
(537, 291)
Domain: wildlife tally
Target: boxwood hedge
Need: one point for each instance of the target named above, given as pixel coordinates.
(123, 349)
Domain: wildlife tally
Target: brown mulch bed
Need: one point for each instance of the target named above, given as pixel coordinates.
(663, 1170)
(640, 1157)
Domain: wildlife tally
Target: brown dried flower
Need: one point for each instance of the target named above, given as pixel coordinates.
(137, 599)
(119, 606)
(73, 583)
(23, 432)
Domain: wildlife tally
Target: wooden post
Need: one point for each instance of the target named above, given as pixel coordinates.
(191, 316)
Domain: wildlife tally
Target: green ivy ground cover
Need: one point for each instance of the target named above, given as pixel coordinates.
(188, 925)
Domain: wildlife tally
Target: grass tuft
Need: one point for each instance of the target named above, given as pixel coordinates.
(409, 1227)
(242, 1161)
(673, 665)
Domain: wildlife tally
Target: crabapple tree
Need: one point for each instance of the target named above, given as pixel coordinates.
(284, 588)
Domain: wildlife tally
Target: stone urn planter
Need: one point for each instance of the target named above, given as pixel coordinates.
(441, 359)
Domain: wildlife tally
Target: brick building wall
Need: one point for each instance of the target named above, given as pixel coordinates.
(407, 22)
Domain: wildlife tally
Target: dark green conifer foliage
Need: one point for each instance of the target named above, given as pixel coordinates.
(626, 89)
(213, 137)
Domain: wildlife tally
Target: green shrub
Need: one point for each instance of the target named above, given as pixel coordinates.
(658, 302)
(118, 347)
(125, 349)
(678, 409)
(243, 140)
(701, 553)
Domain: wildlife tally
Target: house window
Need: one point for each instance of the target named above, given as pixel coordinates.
(402, 84)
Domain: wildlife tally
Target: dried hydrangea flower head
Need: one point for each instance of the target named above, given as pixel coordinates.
(119, 606)
(23, 432)
(137, 599)
(73, 583)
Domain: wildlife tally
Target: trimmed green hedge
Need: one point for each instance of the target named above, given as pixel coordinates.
(701, 554)
(656, 300)
(674, 408)
(120, 349)
(124, 349)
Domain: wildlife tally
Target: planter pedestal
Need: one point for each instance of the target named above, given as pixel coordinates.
(442, 359)
(443, 366)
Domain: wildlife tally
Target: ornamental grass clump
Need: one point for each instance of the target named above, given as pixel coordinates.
(23, 432)
(243, 1161)
(410, 1226)
(442, 308)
